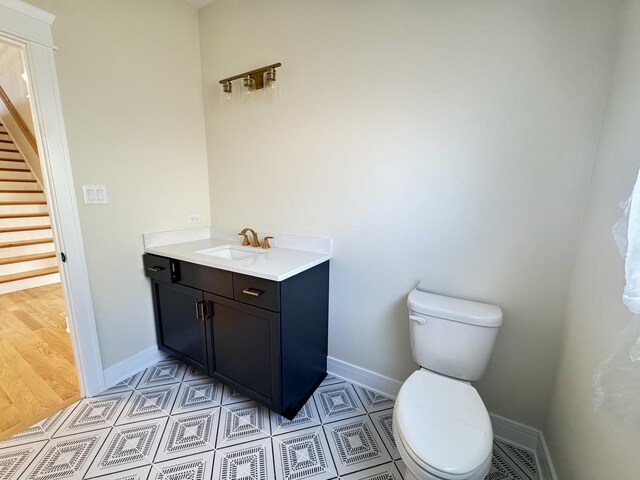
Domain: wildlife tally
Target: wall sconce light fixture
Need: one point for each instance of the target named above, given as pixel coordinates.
(271, 86)
(226, 95)
(258, 79)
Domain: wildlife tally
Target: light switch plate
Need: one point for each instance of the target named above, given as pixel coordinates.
(95, 194)
(194, 219)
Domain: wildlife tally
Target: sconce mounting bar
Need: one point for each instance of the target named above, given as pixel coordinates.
(255, 74)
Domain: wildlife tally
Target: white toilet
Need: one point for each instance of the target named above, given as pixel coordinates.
(441, 427)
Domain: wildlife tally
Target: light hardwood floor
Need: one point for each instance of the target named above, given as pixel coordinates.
(37, 370)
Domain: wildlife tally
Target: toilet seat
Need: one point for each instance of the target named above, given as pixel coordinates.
(419, 472)
(443, 426)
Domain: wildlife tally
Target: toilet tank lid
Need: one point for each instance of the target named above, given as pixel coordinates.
(456, 309)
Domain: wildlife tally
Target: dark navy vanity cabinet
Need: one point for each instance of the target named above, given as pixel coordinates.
(265, 339)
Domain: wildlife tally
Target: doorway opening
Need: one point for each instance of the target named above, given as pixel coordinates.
(37, 366)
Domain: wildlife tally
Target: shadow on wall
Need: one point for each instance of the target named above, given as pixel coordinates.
(616, 383)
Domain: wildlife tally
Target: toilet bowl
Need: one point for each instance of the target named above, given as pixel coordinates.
(441, 426)
(442, 429)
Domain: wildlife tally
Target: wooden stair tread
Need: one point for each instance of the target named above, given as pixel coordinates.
(6, 169)
(27, 228)
(23, 215)
(21, 180)
(10, 150)
(26, 243)
(27, 258)
(24, 203)
(20, 191)
(6, 141)
(24, 275)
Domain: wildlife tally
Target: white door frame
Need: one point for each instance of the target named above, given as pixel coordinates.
(30, 28)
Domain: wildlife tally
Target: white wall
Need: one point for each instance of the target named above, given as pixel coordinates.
(11, 69)
(131, 93)
(436, 140)
(587, 445)
(13, 84)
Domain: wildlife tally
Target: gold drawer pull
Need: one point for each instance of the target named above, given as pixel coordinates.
(155, 269)
(254, 292)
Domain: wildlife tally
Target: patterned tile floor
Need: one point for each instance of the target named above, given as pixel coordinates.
(170, 422)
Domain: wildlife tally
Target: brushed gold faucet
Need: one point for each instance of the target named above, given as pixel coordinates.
(255, 242)
(245, 239)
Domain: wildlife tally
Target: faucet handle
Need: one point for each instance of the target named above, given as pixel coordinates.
(265, 242)
(245, 240)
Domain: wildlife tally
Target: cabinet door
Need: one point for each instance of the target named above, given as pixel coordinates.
(247, 348)
(181, 327)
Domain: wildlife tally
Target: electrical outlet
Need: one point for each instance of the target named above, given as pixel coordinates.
(194, 219)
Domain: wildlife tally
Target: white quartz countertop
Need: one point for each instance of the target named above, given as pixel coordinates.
(275, 263)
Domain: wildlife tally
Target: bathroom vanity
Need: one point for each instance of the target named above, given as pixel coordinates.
(255, 320)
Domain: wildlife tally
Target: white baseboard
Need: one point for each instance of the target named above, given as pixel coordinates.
(529, 438)
(514, 432)
(504, 429)
(364, 377)
(547, 470)
(124, 369)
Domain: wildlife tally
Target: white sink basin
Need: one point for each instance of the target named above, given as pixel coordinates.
(229, 253)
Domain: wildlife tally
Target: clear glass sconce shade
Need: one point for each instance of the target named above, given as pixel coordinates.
(271, 86)
(248, 88)
(226, 95)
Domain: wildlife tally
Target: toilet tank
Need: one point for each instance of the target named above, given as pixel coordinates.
(451, 336)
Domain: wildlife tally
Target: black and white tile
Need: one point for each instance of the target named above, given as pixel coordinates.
(170, 422)
(510, 462)
(188, 434)
(66, 457)
(141, 473)
(128, 447)
(307, 417)
(198, 395)
(127, 384)
(14, 460)
(372, 400)
(303, 454)
(94, 414)
(193, 467)
(242, 422)
(338, 401)
(164, 373)
(387, 471)
(355, 444)
(383, 422)
(149, 403)
(247, 461)
(193, 374)
(230, 396)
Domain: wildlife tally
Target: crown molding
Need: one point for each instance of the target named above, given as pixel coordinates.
(29, 10)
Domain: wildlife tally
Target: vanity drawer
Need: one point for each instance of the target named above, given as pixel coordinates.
(256, 291)
(160, 268)
(208, 279)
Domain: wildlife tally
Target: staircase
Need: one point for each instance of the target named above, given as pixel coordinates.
(27, 253)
